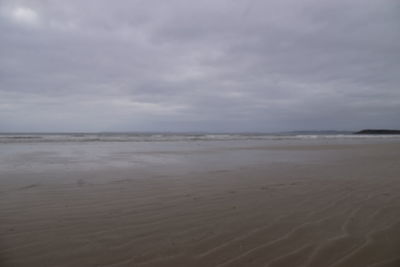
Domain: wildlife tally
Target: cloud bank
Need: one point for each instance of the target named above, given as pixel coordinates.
(183, 65)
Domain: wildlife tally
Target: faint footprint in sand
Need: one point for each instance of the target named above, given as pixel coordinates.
(81, 182)
(281, 184)
(121, 181)
(219, 171)
(28, 186)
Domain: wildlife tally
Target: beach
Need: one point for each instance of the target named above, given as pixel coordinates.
(314, 203)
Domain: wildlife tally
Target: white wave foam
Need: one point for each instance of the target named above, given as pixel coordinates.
(40, 138)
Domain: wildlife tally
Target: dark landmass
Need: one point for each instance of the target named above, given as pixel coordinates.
(378, 131)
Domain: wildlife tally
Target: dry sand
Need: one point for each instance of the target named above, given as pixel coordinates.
(341, 209)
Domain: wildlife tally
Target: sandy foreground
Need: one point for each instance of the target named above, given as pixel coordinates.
(339, 205)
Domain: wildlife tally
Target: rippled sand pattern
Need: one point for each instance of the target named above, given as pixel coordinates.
(343, 210)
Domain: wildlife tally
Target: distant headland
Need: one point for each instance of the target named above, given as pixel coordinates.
(378, 131)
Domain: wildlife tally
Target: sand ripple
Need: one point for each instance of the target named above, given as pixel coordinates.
(331, 214)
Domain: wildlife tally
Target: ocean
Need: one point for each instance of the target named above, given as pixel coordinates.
(177, 137)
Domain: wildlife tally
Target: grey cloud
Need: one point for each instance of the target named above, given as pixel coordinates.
(239, 65)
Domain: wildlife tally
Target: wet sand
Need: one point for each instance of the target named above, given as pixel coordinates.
(337, 206)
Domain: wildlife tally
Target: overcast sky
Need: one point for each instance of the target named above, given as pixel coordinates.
(209, 65)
